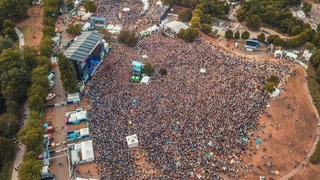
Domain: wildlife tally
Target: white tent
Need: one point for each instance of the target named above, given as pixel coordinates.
(74, 157)
(74, 97)
(278, 53)
(84, 132)
(45, 170)
(76, 116)
(275, 93)
(291, 56)
(132, 141)
(145, 80)
(87, 151)
(176, 26)
(126, 9)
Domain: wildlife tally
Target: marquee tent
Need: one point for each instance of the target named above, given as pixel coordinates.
(132, 141)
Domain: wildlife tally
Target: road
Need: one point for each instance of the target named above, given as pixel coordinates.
(22, 151)
(21, 38)
(19, 156)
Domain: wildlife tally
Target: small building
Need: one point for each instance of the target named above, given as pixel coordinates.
(75, 117)
(145, 80)
(172, 28)
(73, 98)
(132, 141)
(81, 152)
(306, 56)
(78, 134)
(252, 44)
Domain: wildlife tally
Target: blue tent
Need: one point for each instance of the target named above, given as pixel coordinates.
(137, 66)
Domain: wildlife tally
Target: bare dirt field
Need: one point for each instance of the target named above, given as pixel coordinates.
(288, 134)
(32, 26)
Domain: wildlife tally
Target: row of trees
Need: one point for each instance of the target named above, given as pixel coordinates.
(68, 76)
(236, 35)
(273, 13)
(32, 133)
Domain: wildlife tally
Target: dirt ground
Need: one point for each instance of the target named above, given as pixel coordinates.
(288, 135)
(32, 26)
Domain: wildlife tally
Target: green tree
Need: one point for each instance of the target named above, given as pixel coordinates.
(185, 15)
(39, 76)
(254, 22)
(188, 35)
(10, 58)
(269, 87)
(6, 157)
(237, 35)
(32, 135)
(48, 31)
(128, 37)
(307, 8)
(44, 61)
(90, 6)
(5, 43)
(228, 34)
(295, 30)
(195, 21)
(309, 46)
(75, 29)
(46, 46)
(9, 124)
(8, 29)
(148, 69)
(318, 28)
(68, 76)
(15, 83)
(36, 102)
(261, 37)
(206, 28)
(30, 167)
(245, 35)
(106, 34)
(29, 55)
(274, 79)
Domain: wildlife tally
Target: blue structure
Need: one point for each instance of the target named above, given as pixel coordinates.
(98, 21)
(137, 67)
(78, 134)
(253, 44)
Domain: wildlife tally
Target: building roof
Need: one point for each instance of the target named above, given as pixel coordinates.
(87, 150)
(83, 45)
(176, 26)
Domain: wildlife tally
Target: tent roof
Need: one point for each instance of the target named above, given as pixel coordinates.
(84, 131)
(83, 45)
(87, 150)
(176, 26)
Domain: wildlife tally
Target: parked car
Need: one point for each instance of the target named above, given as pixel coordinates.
(51, 84)
(50, 96)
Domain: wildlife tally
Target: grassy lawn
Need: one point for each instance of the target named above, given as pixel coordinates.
(314, 88)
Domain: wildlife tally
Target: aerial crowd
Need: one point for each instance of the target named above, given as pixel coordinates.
(188, 123)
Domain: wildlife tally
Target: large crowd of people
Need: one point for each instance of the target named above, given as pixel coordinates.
(188, 123)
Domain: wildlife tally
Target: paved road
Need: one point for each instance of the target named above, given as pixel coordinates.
(21, 152)
(301, 165)
(21, 38)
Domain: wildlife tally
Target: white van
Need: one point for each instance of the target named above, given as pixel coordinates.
(51, 76)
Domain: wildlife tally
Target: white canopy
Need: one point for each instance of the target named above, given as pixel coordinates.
(275, 93)
(176, 26)
(87, 151)
(145, 80)
(132, 141)
(84, 132)
(126, 9)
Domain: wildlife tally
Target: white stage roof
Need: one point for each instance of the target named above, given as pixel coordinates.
(176, 26)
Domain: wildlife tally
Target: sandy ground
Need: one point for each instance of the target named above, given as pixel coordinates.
(32, 26)
(289, 134)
